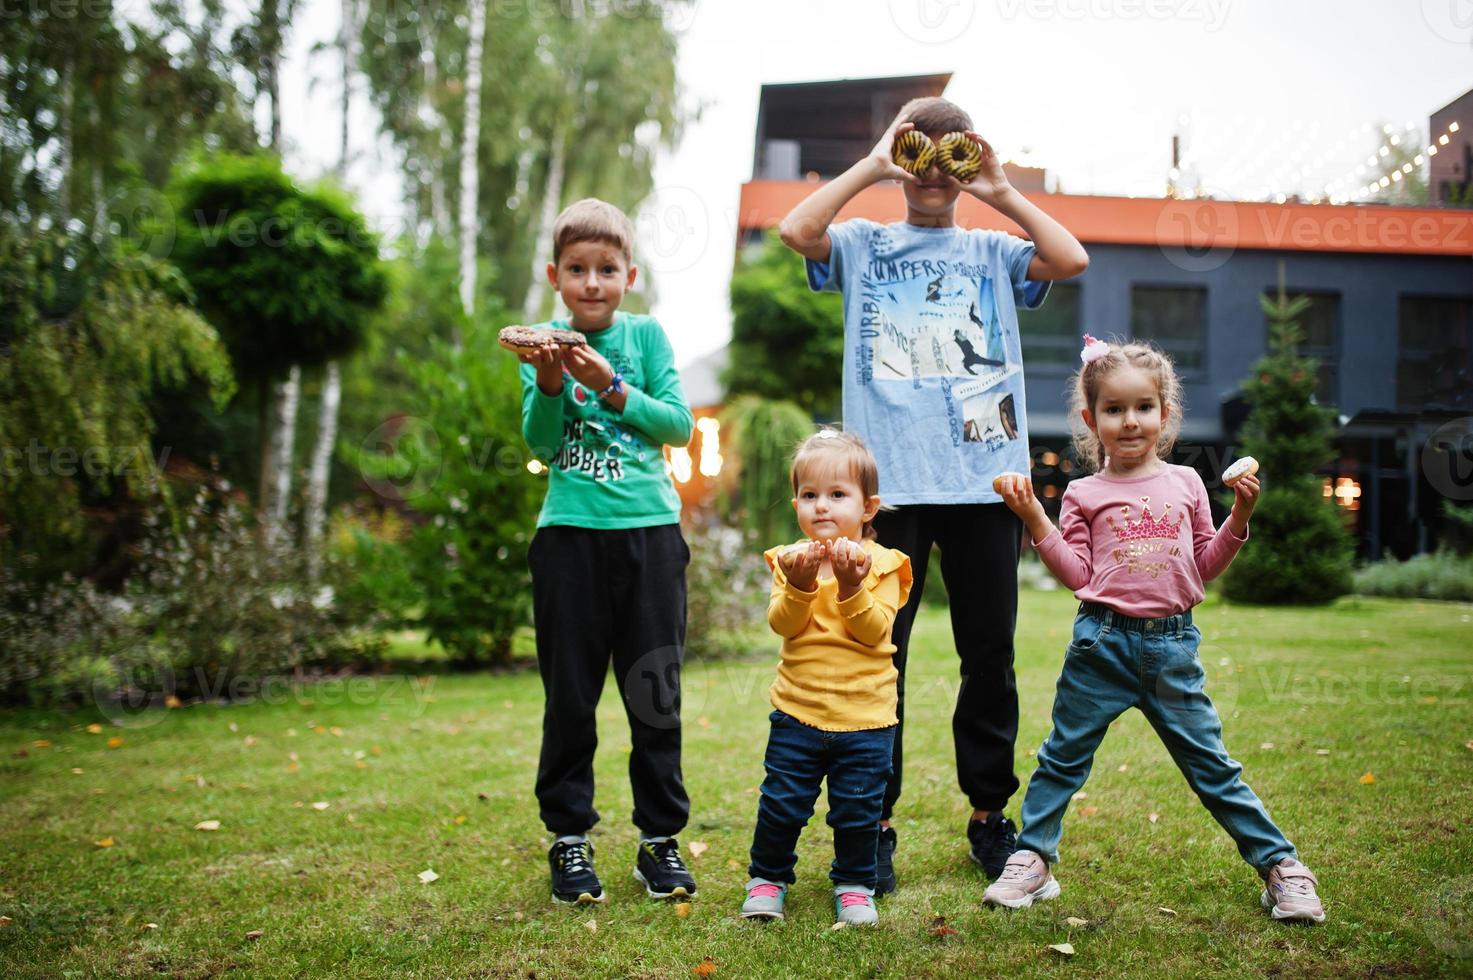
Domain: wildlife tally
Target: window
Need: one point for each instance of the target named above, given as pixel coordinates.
(1050, 335)
(1434, 357)
(1175, 319)
(1319, 329)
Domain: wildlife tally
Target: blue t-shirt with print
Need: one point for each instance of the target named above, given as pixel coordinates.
(933, 370)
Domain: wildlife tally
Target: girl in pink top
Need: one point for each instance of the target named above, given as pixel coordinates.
(1135, 542)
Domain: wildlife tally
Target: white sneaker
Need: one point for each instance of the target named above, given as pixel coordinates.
(1024, 879)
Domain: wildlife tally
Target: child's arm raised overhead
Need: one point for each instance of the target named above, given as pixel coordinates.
(1065, 552)
(806, 228)
(1057, 253)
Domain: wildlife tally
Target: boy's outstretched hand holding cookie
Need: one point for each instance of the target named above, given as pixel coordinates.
(851, 564)
(800, 565)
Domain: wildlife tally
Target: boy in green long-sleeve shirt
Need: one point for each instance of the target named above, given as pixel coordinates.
(608, 560)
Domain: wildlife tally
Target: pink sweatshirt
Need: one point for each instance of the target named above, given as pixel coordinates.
(1142, 546)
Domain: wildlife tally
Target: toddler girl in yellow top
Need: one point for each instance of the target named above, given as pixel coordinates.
(834, 598)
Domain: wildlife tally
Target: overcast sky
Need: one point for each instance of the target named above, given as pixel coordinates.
(1271, 96)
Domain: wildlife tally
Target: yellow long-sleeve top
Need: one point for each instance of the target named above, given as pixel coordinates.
(835, 671)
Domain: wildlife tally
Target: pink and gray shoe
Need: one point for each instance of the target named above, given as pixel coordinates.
(1024, 880)
(1289, 892)
(764, 899)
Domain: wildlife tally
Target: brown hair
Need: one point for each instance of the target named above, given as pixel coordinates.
(845, 450)
(1086, 388)
(934, 114)
(592, 220)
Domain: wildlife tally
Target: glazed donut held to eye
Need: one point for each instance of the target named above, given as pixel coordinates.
(521, 340)
(958, 155)
(913, 152)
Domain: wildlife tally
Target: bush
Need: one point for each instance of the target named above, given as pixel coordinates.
(1441, 575)
(757, 488)
(727, 586)
(208, 611)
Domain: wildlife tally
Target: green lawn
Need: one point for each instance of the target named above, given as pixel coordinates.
(438, 774)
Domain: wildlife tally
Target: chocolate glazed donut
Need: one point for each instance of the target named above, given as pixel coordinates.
(960, 156)
(913, 152)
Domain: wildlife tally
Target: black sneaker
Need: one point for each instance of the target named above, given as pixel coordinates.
(573, 877)
(993, 841)
(885, 862)
(664, 874)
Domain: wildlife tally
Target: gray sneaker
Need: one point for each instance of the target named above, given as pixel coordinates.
(764, 899)
(854, 905)
(1288, 892)
(1024, 879)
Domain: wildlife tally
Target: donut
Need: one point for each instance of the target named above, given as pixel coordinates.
(1000, 481)
(1246, 466)
(913, 152)
(520, 340)
(959, 155)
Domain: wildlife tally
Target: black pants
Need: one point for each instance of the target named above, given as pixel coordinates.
(979, 563)
(598, 594)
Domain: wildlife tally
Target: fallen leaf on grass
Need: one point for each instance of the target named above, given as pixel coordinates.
(1088, 811)
(682, 910)
(732, 863)
(1266, 745)
(1367, 779)
(837, 926)
(1468, 744)
(76, 772)
(149, 925)
(1154, 817)
(697, 848)
(1122, 768)
(1321, 751)
(459, 819)
(1063, 949)
(1075, 922)
(115, 741)
(293, 767)
(255, 934)
(291, 733)
(591, 925)
(428, 875)
(1081, 795)
(250, 741)
(105, 842)
(172, 701)
(483, 795)
(518, 916)
(234, 727)
(1166, 911)
(321, 805)
(5, 920)
(336, 731)
(705, 968)
(22, 754)
(940, 929)
(207, 825)
(94, 729)
(41, 743)
(703, 721)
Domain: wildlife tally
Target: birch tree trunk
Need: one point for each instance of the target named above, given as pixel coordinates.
(551, 205)
(288, 394)
(469, 171)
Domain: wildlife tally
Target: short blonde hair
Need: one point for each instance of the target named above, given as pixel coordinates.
(845, 451)
(1086, 389)
(592, 220)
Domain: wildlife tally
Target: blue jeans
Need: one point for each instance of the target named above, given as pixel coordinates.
(1114, 663)
(799, 756)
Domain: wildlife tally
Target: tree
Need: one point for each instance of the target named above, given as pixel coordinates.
(85, 338)
(763, 434)
(787, 342)
(287, 275)
(1301, 550)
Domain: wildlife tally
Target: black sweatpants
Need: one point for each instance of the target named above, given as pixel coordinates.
(980, 546)
(596, 595)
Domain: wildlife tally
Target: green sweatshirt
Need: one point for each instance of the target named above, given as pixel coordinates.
(608, 467)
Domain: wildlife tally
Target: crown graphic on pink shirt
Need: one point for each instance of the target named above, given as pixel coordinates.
(1147, 527)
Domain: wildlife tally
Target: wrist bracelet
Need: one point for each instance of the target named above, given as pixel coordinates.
(615, 386)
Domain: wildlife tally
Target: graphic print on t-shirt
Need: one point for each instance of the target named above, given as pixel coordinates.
(594, 443)
(938, 318)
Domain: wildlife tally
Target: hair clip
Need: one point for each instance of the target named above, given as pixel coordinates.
(1094, 349)
(827, 434)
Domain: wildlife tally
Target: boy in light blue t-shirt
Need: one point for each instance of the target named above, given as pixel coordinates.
(933, 382)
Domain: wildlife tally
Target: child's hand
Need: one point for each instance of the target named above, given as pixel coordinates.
(881, 159)
(548, 360)
(991, 183)
(1017, 492)
(1245, 498)
(850, 563)
(589, 367)
(800, 565)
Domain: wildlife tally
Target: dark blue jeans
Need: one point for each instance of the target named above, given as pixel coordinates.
(1115, 663)
(799, 756)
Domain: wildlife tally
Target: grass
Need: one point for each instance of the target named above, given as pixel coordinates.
(437, 773)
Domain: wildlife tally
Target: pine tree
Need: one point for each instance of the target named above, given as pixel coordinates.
(1300, 550)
